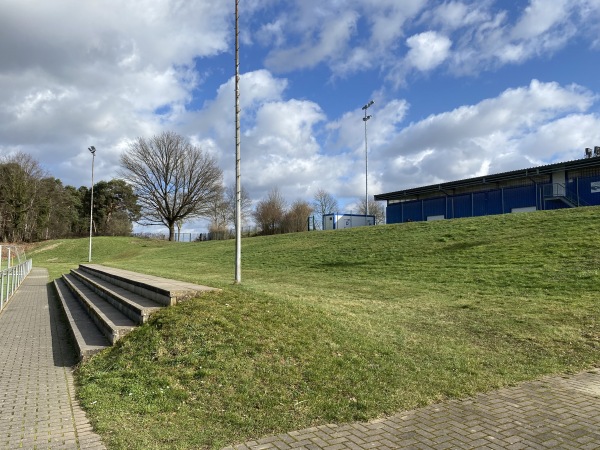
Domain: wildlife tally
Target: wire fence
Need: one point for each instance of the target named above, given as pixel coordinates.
(13, 270)
(220, 235)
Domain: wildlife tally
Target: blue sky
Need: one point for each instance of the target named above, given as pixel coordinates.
(461, 88)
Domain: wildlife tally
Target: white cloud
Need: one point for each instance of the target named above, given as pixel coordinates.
(329, 43)
(491, 41)
(326, 32)
(279, 145)
(456, 14)
(540, 17)
(468, 36)
(77, 73)
(520, 128)
(427, 50)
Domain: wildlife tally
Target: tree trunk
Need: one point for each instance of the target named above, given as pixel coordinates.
(171, 231)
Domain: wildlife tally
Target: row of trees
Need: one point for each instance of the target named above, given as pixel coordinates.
(176, 182)
(165, 181)
(35, 206)
(273, 215)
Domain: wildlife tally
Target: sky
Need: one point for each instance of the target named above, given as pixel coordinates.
(460, 88)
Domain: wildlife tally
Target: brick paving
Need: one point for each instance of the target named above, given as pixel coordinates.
(38, 408)
(555, 412)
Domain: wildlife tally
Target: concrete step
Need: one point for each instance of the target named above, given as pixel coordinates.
(86, 335)
(103, 304)
(162, 290)
(134, 306)
(111, 322)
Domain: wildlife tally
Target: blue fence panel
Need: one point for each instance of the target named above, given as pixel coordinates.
(519, 197)
(480, 203)
(589, 196)
(413, 211)
(571, 189)
(462, 206)
(434, 207)
(393, 213)
(495, 202)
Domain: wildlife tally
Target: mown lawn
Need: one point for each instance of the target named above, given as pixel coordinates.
(341, 326)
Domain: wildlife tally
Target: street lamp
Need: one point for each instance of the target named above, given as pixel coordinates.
(238, 173)
(92, 150)
(365, 119)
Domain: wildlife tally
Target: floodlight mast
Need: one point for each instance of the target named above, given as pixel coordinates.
(365, 119)
(92, 150)
(238, 184)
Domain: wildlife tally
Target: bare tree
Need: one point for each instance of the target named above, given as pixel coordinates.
(218, 215)
(323, 203)
(173, 179)
(296, 219)
(222, 212)
(230, 199)
(269, 213)
(375, 209)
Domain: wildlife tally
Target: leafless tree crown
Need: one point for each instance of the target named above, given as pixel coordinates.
(323, 203)
(173, 179)
(296, 218)
(270, 213)
(375, 209)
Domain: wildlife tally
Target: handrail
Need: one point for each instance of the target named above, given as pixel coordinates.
(10, 280)
(560, 191)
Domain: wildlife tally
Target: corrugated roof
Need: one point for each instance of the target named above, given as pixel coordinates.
(492, 178)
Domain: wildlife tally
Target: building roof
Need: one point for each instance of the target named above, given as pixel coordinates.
(493, 178)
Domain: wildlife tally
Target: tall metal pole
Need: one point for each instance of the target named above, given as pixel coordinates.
(365, 119)
(92, 149)
(238, 184)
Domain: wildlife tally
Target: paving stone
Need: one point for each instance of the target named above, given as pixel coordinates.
(37, 396)
(554, 412)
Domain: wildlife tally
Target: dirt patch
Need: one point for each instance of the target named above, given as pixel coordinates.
(43, 249)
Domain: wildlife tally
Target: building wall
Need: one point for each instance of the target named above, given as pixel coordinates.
(579, 190)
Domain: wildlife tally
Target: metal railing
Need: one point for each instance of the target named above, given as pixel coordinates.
(10, 280)
(558, 191)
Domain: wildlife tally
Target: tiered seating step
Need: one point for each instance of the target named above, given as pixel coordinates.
(103, 304)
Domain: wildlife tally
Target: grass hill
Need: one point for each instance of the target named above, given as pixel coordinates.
(341, 326)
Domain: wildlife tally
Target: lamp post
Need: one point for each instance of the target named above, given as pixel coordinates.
(92, 150)
(238, 176)
(365, 119)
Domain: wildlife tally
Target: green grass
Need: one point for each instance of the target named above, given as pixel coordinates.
(341, 326)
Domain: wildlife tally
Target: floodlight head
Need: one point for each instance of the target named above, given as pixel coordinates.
(92, 149)
(588, 152)
(368, 105)
(366, 118)
(596, 151)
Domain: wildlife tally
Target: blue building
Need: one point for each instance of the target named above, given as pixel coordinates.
(562, 185)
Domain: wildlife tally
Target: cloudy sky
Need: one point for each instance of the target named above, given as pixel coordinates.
(461, 88)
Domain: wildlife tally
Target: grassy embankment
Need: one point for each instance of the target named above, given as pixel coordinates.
(341, 326)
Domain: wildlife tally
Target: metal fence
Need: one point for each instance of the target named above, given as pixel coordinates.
(197, 237)
(10, 280)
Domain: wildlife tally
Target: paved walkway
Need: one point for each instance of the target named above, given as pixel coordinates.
(38, 408)
(554, 412)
